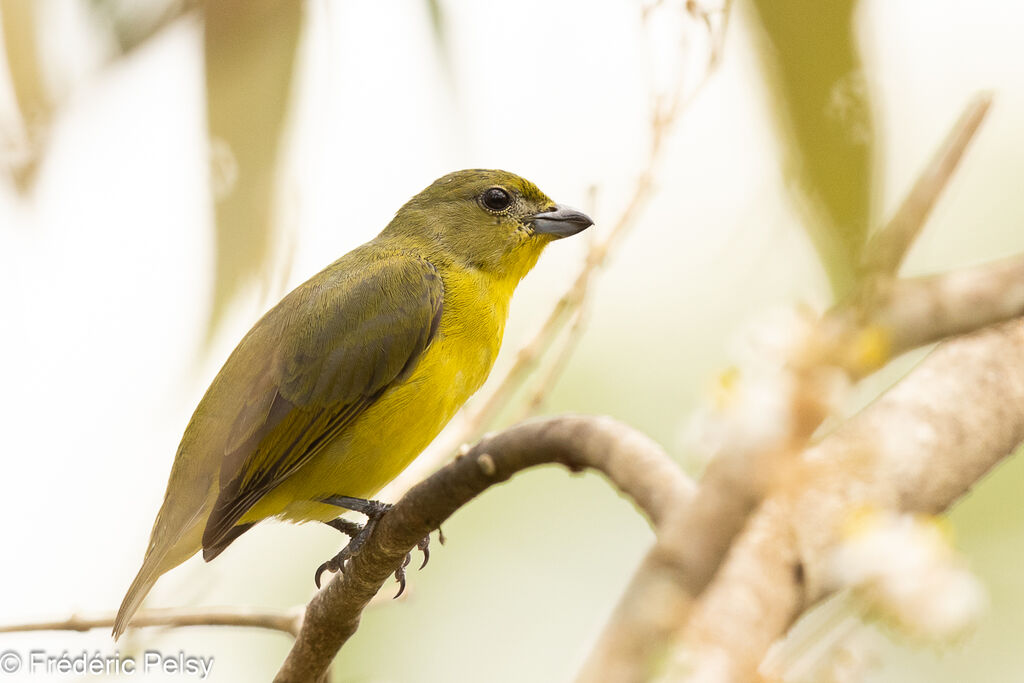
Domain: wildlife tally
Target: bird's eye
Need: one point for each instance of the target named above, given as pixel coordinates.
(496, 199)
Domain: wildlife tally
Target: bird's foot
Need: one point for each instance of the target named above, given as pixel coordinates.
(358, 533)
(424, 546)
(373, 510)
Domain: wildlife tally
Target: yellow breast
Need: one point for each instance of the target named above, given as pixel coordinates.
(379, 444)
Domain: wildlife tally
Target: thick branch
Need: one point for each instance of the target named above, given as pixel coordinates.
(691, 545)
(923, 310)
(661, 593)
(634, 463)
(917, 449)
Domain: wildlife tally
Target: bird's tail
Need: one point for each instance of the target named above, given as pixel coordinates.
(163, 555)
(137, 592)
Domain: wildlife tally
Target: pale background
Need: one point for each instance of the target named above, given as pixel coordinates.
(105, 270)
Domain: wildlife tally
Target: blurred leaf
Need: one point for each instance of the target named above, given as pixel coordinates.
(439, 29)
(821, 97)
(30, 91)
(437, 22)
(132, 22)
(250, 52)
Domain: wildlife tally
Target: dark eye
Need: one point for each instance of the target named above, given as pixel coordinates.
(496, 199)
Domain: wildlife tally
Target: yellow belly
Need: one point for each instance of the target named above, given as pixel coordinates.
(389, 435)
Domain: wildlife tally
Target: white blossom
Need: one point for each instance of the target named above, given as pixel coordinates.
(906, 571)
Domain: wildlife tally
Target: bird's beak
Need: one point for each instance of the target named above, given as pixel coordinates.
(561, 221)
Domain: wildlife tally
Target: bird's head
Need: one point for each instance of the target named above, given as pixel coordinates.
(494, 221)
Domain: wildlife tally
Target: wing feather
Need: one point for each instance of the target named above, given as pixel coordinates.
(342, 339)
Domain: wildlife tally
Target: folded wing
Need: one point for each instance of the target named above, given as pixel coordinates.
(347, 338)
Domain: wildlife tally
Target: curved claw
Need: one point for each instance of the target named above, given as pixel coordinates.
(400, 577)
(319, 572)
(359, 535)
(424, 545)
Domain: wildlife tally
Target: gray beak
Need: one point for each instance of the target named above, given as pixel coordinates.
(562, 221)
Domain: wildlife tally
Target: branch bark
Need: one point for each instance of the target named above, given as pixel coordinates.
(635, 465)
(923, 310)
(917, 449)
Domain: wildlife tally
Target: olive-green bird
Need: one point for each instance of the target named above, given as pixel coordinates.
(340, 385)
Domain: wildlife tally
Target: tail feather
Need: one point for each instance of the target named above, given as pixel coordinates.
(137, 592)
(164, 554)
(191, 491)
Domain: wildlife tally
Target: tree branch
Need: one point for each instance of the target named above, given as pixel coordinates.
(286, 621)
(691, 546)
(634, 463)
(917, 449)
(689, 549)
(887, 249)
(919, 311)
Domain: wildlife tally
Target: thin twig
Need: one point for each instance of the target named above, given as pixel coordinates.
(663, 119)
(558, 364)
(570, 340)
(285, 621)
(631, 461)
(889, 247)
(495, 397)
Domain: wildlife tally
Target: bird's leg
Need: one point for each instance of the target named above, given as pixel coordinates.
(337, 563)
(358, 533)
(347, 527)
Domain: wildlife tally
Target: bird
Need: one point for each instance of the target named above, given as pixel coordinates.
(340, 385)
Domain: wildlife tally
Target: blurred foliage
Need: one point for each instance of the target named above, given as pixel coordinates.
(437, 22)
(30, 92)
(810, 52)
(249, 48)
(131, 23)
(250, 53)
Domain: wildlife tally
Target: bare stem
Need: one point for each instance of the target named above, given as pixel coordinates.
(889, 247)
(285, 621)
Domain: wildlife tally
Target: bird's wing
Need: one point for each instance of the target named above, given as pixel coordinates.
(345, 337)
